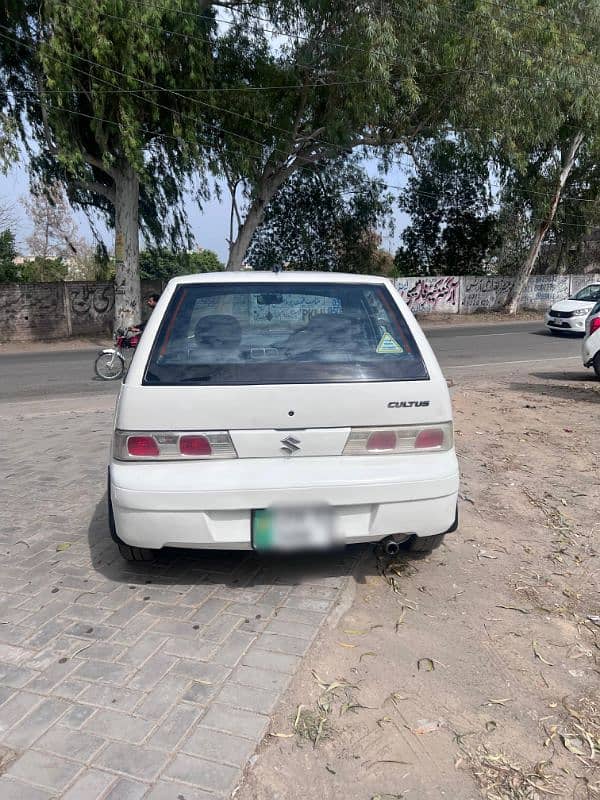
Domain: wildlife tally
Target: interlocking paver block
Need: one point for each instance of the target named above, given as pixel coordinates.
(130, 759)
(314, 618)
(191, 648)
(208, 611)
(298, 629)
(152, 671)
(219, 746)
(63, 741)
(150, 679)
(283, 644)
(174, 727)
(235, 720)
(90, 786)
(76, 716)
(169, 790)
(201, 671)
(307, 604)
(199, 692)
(37, 722)
(43, 769)
(233, 648)
(279, 662)
(103, 672)
(20, 703)
(126, 789)
(208, 775)
(15, 677)
(122, 727)
(248, 697)
(166, 692)
(90, 630)
(111, 697)
(260, 678)
(15, 790)
(220, 628)
(137, 653)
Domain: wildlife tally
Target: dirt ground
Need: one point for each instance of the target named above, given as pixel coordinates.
(474, 671)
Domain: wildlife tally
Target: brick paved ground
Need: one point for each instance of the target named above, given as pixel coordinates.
(121, 681)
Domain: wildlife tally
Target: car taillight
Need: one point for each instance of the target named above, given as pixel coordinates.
(142, 446)
(381, 441)
(429, 438)
(194, 446)
(172, 445)
(595, 325)
(404, 439)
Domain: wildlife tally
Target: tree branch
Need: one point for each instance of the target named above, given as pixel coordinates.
(97, 187)
(45, 123)
(94, 161)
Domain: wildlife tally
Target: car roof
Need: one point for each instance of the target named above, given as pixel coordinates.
(243, 276)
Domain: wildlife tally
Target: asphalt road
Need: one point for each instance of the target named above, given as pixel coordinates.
(461, 350)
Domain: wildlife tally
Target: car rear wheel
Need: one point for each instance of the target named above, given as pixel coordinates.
(596, 364)
(135, 553)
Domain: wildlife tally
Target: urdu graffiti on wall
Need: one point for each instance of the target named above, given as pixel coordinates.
(86, 298)
(426, 295)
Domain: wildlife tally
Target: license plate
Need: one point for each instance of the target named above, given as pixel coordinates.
(289, 529)
(558, 324)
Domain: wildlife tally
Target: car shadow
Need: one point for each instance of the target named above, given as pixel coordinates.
(561, 335)
(227, 568)
(582, 393)
(581, 376)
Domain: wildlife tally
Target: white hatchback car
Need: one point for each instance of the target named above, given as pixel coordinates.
(591, 342)
(568, 316)
(280, 411)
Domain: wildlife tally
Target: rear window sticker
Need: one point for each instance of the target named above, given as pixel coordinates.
(387, 344)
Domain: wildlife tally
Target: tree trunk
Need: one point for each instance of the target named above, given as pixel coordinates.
(128, 303)
(514, 296)
(239, 247)
(266, 191)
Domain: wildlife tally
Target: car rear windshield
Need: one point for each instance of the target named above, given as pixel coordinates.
(273, 333)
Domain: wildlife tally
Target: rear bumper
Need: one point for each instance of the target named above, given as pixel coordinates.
(589, 348)
(209, 504)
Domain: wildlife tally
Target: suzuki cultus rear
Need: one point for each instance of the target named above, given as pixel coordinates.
(280, 412)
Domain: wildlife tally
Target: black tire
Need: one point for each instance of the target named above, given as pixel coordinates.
(596, 364)
(423, 544)
(109, 367)
(135, 553)
(554, 332)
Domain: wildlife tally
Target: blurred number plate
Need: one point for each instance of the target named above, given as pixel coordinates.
(288, 529)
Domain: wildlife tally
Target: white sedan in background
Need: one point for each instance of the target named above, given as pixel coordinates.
(568, 316)
(591, 343)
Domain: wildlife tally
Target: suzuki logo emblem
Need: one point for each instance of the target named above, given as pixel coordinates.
(290, 445)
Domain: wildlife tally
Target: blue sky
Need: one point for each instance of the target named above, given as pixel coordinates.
(210, 226)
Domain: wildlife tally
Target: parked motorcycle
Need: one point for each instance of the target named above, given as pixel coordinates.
(110, 364)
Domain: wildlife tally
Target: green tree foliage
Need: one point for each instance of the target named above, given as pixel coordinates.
(384, 75)
(8, 253)
(92, 89)
(323, 219)
(163, 264)
(42, 270)
(453, 228)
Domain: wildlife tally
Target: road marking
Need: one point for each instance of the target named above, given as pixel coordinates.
(502, 363)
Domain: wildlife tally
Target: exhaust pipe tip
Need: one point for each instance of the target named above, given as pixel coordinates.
(391, 547)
